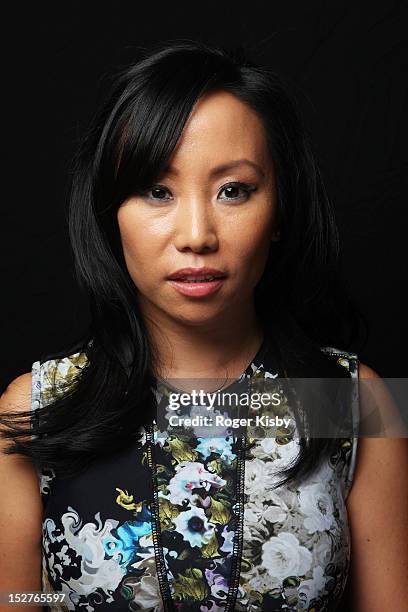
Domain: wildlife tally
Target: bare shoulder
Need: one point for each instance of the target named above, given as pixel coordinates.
(383, 443)
(365, 371)
(15, 399)
(377, 504)
(21, 506)
(379, 415)
(17, 395)
(382, 450)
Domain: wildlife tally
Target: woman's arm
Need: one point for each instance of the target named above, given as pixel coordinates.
(378, 508)
(20, 508)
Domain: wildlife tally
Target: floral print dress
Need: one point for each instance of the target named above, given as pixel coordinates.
(186, 522)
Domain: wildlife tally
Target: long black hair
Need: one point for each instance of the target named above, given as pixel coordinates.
(129, 143)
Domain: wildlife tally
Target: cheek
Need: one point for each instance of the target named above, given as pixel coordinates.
(251, 243)
(251, 256)
(139, 248)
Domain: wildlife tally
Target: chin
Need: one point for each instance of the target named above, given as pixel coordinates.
(195, 318)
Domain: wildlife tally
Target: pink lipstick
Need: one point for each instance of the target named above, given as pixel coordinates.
(197, 282)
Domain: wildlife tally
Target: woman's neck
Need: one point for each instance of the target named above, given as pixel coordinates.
(219, 350)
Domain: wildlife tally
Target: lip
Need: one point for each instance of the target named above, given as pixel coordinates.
(197, 289)
(184, 273)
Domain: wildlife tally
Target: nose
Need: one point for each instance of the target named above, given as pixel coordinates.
(195, 226)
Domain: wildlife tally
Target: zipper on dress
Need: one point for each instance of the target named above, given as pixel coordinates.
(239, 529)
(238, 537)
(158, 550)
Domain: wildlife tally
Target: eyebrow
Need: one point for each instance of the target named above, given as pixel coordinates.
(218, 170)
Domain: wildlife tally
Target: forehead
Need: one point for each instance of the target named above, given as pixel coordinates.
(222, 127)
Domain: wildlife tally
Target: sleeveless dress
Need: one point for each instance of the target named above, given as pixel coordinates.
(187, 522)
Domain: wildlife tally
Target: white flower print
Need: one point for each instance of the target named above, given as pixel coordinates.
(87, 542)
(309, 589)
(284, 556)
(220, 446)
(281, 455)
(317, 505)
(258, 476)
(322, 543)
(228, 540)
(194, 526)
(190, 475)
(260, 580)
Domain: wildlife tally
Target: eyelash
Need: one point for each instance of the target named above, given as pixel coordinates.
(247, 188)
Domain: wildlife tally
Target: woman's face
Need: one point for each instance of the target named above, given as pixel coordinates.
(213, 207)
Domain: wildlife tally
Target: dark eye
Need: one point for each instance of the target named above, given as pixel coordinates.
(157, 192)
(237, 191)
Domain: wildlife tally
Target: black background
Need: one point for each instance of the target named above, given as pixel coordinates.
(347, 58)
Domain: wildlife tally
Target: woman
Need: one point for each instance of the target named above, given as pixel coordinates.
(197, 167)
